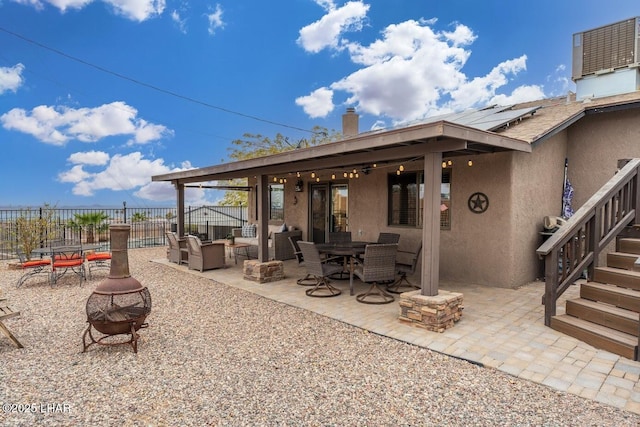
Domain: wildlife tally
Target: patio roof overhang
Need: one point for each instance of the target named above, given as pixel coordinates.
(430, 142)
(396, 145)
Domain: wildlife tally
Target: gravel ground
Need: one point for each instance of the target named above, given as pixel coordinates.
(217, 355)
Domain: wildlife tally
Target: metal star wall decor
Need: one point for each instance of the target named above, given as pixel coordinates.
(478, 203)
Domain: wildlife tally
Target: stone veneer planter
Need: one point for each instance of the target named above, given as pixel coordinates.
(263, 272)
(435, 313)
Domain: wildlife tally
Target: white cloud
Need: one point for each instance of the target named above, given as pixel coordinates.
(327, 31)
(479, 90)
(11, 78)
(519, 94)
(215, 20)
(180, 23)
(96, 158)
(410, 72)
(95, 171)
(120, 172)
(136, 10)
(58, 125)
(76, 174)
(318, 103)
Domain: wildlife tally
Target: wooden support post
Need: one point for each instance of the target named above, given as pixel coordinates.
(431, 224)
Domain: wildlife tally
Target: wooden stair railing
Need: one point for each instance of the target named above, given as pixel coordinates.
(577, 245)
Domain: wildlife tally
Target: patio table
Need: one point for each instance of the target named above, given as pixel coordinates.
(349, 251)
(236, 249)
(66, 253)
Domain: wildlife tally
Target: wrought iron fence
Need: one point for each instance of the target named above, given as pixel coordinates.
(91, 225)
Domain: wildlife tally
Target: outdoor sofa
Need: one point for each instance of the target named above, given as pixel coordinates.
(279, 246)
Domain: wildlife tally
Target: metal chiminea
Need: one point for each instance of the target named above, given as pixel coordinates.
(120, 304)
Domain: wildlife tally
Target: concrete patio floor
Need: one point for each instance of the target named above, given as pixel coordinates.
(500, 328)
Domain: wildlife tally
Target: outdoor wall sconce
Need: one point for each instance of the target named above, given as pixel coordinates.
(299, 186)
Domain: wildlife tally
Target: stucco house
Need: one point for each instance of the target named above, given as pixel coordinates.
(519, 164)
(474, 186)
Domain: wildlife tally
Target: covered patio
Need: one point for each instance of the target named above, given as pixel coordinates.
(422, 146)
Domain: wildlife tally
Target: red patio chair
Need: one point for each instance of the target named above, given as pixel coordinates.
(31, 267)
(62, 262)
(98, 260)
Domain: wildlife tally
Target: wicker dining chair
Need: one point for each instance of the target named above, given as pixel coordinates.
(388, 238)
(377, 267)
(339, 237)
(320, 270)
(406, 263)
(307, 280)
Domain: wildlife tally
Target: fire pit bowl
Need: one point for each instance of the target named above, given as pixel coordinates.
(119, 304)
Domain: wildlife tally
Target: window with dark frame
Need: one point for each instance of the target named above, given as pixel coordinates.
(406, 199)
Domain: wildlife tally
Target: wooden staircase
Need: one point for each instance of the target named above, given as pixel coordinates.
(607, 313)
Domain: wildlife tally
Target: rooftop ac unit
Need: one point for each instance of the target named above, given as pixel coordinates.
(606, 49)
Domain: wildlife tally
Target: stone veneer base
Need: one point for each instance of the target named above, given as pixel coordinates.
(435, 313)
(263, 272)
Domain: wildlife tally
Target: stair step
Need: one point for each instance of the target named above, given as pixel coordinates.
(630, 245)
(611, 294)
(623, 260)
(603, 314)
(601, 337)
(617, 276)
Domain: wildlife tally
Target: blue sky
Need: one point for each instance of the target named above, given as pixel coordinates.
(96, 96)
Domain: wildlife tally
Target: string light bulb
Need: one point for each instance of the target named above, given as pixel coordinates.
(401, 168)
(298, 174)
(345, 175)
(357, 176)
(275, 179)
(318, 179)
(313, 174)
(398, 172)
(470, 162)
(444, 165)
(351, 175)
(333, 176)
(449, 162)
(375, 165)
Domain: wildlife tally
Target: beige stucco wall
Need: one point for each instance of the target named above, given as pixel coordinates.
(496, 248)
(537, 186)
(475, 249)
(597, 142)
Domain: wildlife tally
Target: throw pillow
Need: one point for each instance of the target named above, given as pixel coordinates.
(284, 227)
(248, 230)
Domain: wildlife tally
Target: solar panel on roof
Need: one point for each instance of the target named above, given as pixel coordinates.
(488, 118)
(503, 118)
